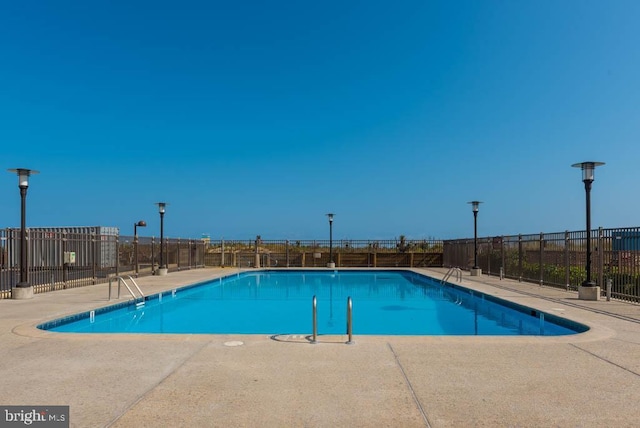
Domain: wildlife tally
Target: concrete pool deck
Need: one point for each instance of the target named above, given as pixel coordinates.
(585, 380)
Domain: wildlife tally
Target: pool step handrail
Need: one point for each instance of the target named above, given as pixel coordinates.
(454, 270)
(122, 280)
(349, 321)
(135, 285)
(314, 315)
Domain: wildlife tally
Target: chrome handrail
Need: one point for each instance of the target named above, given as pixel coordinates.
(349, 320)
(450, 272)
(121, 280)
(315, 319)
(135, 284)
(110, 281)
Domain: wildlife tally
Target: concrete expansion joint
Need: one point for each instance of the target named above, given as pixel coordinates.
(605, 360)
(160, 382)
(408, 383)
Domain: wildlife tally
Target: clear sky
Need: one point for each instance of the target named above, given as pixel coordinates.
(259, 117)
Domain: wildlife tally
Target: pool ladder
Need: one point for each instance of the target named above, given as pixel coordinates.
(314, 303)
(121, 280)
(452, 271)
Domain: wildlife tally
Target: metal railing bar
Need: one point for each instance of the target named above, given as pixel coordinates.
(314, 316)
(349, 321)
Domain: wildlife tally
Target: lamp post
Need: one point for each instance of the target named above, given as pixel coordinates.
(331, 264)
(475, 270)
(588, 289)
(141, 223)
(22, 289)
(161, 209)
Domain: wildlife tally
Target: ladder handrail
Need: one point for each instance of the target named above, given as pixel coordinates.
(110, 281)
(349, 321)
(450, 272)
(121, 280)
(314, 312)
(135, 284)
(314, 316)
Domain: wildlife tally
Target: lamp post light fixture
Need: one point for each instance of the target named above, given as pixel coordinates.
(331, 264)
(161, 209)
(23, 290)
(588, 289)
(141, 223)
(475, 270)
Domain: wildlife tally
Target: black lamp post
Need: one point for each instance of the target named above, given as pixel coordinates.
(161, 208)
(588, 169)
(141, 223)
(331, 263)
(23, 184)
(475, 205)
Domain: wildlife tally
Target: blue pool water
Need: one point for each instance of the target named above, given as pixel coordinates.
(280, 302)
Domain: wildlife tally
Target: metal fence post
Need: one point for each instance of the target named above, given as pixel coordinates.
(94, 257)
(520, 258)
(136, 268)
(566, 259)
(11, 259)
(286, 246)
(153, 255)
(489, 253)
(541, 265)
(600, 257)
(178, 253)
(64, 265)
(502, 256)
(166, 252)
(197, 248)
(117, 255)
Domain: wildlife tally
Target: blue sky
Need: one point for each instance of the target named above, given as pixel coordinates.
(256, 117)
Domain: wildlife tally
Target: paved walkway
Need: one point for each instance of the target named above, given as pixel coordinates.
(586, 380)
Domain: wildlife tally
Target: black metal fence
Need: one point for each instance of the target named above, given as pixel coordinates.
(60, 258)
(557, 259)
(142, 256)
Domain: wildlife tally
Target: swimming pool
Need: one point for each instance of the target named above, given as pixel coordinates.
(280, 302)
